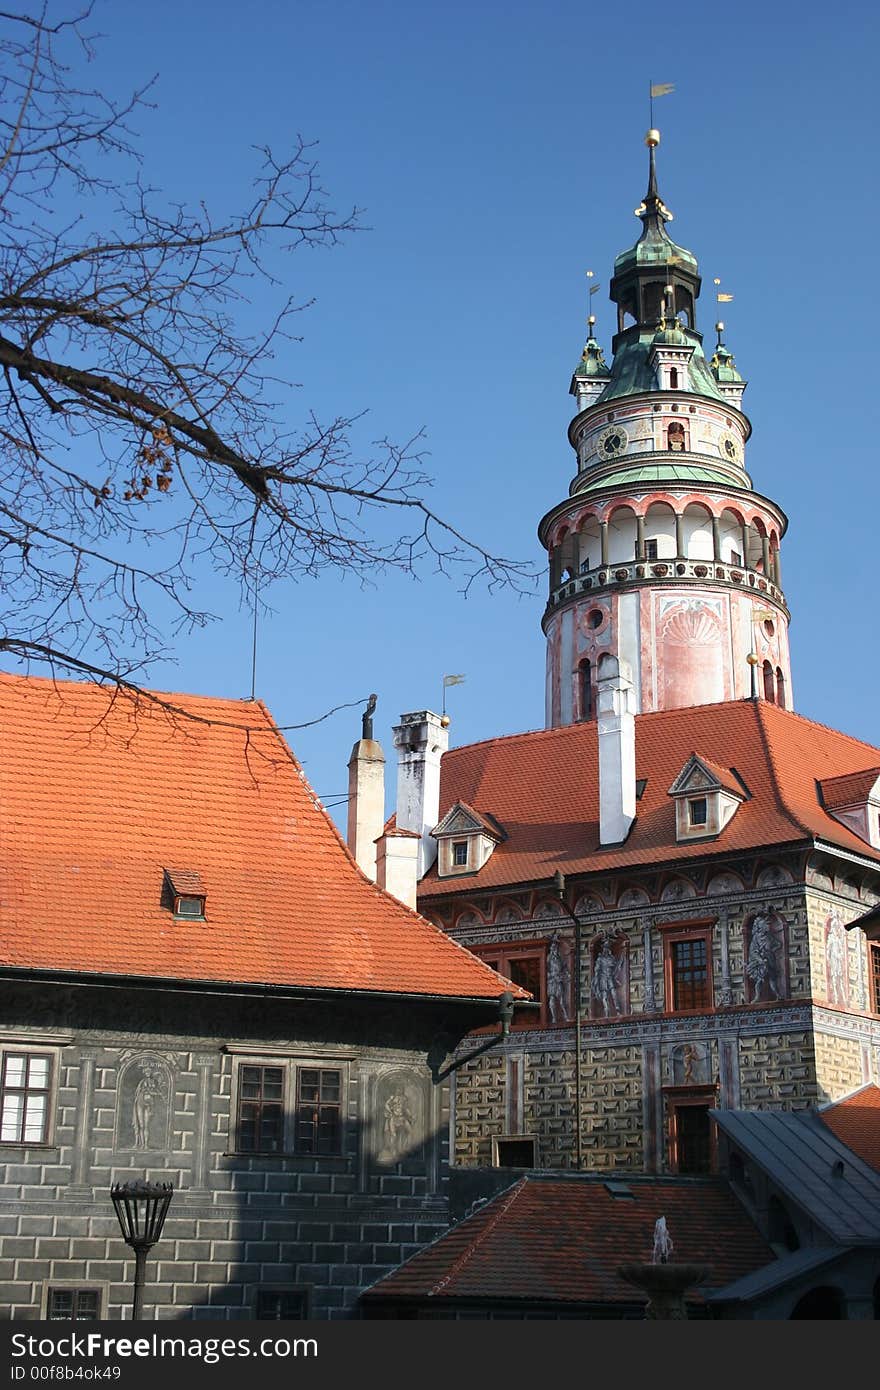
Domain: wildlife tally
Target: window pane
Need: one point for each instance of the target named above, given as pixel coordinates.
(13, 1112)
(61, 1303)
(260, 1110)
(14, 1070)
(526, 971)
(35, 1119)
(38, 1072)
(690, 974)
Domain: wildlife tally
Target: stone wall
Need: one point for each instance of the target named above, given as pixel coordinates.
(238, 1223)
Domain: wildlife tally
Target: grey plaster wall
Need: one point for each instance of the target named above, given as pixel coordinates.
(238, 1223)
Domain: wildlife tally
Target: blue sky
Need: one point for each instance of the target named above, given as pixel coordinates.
(497, 149)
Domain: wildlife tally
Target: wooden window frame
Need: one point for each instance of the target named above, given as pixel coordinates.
(672, 933)
(278, 1291)
(74, 1287)
(500, 956)
(50, 1054)
(321, 1109)
(680, 1098)
(292, 1145)
(693, 822)
(874, 976)
(454, 848)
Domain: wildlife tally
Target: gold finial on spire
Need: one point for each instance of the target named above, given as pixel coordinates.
(652, 138)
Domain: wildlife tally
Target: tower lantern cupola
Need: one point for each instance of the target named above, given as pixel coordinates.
(656, 280)
(662, 555)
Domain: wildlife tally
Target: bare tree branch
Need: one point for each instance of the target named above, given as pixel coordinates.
(141, 436)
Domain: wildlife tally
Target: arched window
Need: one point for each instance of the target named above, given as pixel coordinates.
(780, 689)
(769, 685)
(673, 378)
(675, 437)
(585, 689)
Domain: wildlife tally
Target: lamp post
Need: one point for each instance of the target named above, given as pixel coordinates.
(141, 1208)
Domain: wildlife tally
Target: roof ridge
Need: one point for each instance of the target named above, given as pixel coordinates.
(505, 1201)
(817, 724)
(775, 780)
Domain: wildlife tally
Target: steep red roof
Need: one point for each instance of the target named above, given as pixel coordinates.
(99, 796)
(543, 787)
(562, 1239)
(856, 1122)
(848, 790)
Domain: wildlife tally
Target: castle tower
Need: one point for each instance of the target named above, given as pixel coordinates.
(663, 554)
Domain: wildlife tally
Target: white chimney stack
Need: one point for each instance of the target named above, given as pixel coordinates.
(617, 749)
(421, 739)
(366, 795)
(397, 861)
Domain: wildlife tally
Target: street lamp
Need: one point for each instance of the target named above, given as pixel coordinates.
(141, 1208)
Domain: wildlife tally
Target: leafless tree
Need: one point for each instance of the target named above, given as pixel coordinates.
(141, 436)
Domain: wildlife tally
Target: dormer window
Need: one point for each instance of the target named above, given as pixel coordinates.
(465, 839)
(188, 905)
(187, 893)
(853, 799)
(706, 798)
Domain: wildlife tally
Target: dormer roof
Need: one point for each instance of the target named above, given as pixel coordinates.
(849, 789)
(703, 775)
(462, 819)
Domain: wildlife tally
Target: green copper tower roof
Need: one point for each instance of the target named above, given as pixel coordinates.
(592, 363)
(631, 372)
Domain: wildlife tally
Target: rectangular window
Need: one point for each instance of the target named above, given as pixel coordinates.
(698, 811)
(319, 1111)
(735, 557)
(260, 1109)
(692, 1138)
(874, 962)
(73, 1305)
(285, 1305)
(459, 853)
(526, 965)
(650, 550)
(690, 973)
(25, 1089)
(514, 1151)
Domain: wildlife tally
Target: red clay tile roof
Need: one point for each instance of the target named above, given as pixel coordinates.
(98, 795)
(562, 1240)
(849, 789)
(543, 787)
(186, 881)
(856, 1122)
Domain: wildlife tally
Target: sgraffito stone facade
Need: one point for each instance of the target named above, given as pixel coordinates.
(152, 1088)
(770, 1037)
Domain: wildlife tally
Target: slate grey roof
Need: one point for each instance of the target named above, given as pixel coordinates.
(778, 1272)
(798, 1153)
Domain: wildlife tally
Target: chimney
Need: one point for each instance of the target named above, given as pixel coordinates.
(617, 749)
(397, 860)
(421, 739)
(366, 795)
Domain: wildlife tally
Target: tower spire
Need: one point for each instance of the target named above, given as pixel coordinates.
(653, 211)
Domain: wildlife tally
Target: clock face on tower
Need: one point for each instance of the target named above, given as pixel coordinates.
(612, 441)
(730, 447)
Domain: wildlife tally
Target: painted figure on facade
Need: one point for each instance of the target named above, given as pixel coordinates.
(835, 956)
(762, 966)
(399, 1123)
(663, 1246)
(606, 979)
(148, 1093)
(558, 981)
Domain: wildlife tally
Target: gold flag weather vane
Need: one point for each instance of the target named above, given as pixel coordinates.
(447, 681)
(658, 89)
(719, 295)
